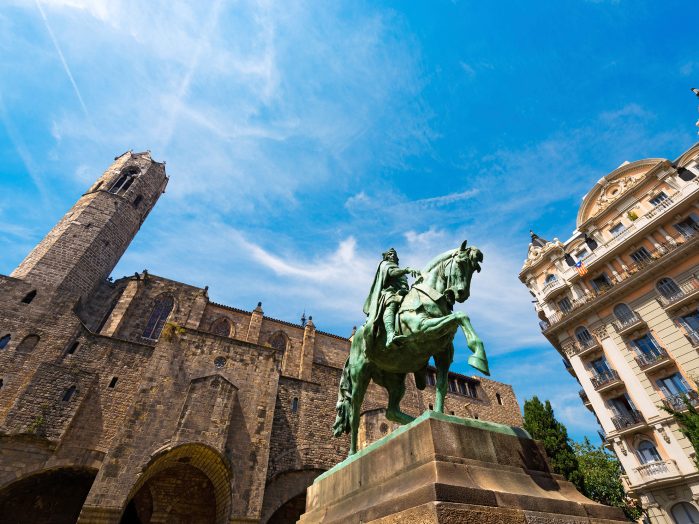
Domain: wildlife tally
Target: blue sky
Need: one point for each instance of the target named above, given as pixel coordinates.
(304, 138)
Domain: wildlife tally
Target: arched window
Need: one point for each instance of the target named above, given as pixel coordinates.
(124, 181)
(684, 513)
(498, 398)
(667, 287)
(623, 313)
(69, 394)
(647, 452)
(137, 201)
(28, 344)
(161, 310)
(583, 335)
(550, 278)
(221, 327)
(278, 341)
(29, 297)
(294, 405)
(4, 341)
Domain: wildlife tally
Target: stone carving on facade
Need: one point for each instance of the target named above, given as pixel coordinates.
(663, 433)
(600, 332)
(612, 190)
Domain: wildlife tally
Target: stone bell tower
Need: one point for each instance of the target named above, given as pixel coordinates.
(83, 248)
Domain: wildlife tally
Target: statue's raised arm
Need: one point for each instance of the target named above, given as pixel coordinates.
(405, 327)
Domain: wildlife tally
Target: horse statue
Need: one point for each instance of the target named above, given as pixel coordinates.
(425, 324)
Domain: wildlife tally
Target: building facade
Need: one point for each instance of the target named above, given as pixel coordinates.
(618, 300)
(140, 400)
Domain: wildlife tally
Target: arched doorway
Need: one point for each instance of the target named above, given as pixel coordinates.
(50, 497)
(189, 484)
(285, 496)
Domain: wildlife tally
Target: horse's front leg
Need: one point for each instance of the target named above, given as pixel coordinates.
(395, 385)
(478, 360)
(443, 361)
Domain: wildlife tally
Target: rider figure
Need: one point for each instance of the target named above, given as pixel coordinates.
(387, 291)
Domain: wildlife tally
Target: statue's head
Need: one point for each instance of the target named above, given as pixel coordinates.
(465, 261)
(390, 256)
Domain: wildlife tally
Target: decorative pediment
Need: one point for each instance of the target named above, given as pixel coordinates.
(536, 254)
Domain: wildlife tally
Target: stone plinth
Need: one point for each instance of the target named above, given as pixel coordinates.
(450, 470)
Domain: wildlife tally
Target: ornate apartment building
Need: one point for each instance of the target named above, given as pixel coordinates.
(140, 400)
(618, 300)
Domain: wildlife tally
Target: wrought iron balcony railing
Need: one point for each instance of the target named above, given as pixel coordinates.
(624, 325)
(646, 360)
(658, 470)
(677, 402)
(686, 289)
(628, 420)
(604, 379)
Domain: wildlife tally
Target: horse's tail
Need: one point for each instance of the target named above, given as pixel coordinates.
(344, 402)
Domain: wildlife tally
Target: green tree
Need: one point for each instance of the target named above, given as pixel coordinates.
(542, 425)
(601, 472)
(688, 422)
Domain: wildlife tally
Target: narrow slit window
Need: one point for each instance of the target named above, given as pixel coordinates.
(29, 297)
(498, 398)
(294, 405)
(73, 347)
(5, 340)
(69, 394)
(113, 382)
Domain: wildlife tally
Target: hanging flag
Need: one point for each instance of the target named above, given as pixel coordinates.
(580, 266)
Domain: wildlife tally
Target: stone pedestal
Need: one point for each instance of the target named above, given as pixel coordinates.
(443, 469)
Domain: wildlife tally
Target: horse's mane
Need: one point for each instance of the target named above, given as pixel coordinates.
(438, 260)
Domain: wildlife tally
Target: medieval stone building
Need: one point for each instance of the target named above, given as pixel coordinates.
(139, 400)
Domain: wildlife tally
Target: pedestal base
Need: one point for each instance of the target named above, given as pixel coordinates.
(450, 470)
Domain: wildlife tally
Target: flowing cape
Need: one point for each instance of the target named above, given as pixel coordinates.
(375, 302)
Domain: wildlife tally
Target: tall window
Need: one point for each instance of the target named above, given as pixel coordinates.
(688, 227)
(600, 366)
(641, 255)
(221, 327)
(550, 278)
(28, 344)
(4, 341)
(647, 346)
(69, 394)
(581, 254)
(565, 305)
(583, 336)
(623, 313)
(658, 199)
(161, 310)
(667, 287)
(690, 323)
(673, 386)
(647, 452)
(601, 283)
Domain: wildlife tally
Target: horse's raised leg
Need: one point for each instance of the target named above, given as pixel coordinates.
(478, 360)
(395, 385)
(361, 375)
(442, 362)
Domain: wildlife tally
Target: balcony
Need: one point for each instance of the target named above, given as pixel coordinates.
(552, 287)
(662, 469)
(660, 208)
(584, 397)
(657, 257)
(677, 402)
(630, 419)
(585, 347)
(627, 325)
(688, 290)
(651, 361)
(607, 380)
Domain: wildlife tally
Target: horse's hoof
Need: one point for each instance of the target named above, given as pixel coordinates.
(480, 364)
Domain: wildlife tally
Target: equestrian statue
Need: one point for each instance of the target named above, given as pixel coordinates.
(405, 327)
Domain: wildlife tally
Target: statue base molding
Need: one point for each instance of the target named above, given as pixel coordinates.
(444, 469)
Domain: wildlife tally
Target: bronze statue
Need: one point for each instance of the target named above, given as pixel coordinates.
(392, 344)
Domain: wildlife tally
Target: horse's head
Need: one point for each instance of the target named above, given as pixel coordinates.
(451, 272)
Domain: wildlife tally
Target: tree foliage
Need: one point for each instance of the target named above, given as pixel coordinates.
(542, 425)
(688, 422)
(601, 472)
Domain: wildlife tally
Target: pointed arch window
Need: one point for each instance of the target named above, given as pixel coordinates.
(221, 327)
(28, 344)
(161, 310)
(123, 183)
(668, 288)
(278, 341)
